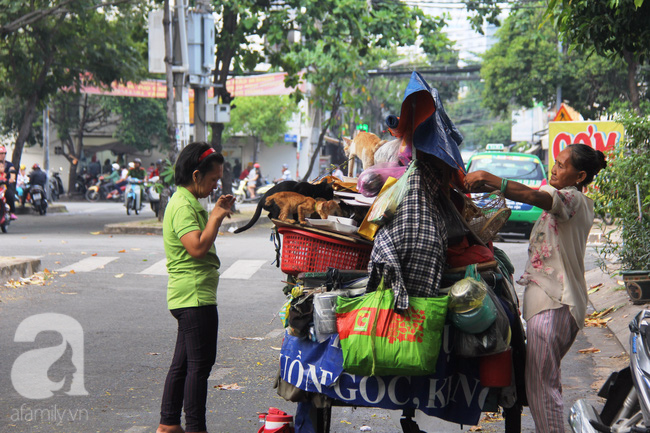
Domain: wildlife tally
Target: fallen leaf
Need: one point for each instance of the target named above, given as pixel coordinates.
(122, 251)
(233, 386)
(590, 350)
(119, 275)
(57, 263)
(83, 253)
(476, 428)
(68, 293)
(153, 353)
(93, 254)
(596, 286)
(598, 322)
(63, 275)
(63, 242)
(247, 338)
(345, 422)
(136, 249)
(72, 271)
(95, 233)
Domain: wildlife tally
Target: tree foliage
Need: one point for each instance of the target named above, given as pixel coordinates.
(74, 42)
(525, 67)
(478, 125)
(628, 167)
(141, 122)
(336, 47)
(264, 118)
(617, 29)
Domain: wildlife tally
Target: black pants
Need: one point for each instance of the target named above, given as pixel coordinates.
(187, 381)
(10, 195)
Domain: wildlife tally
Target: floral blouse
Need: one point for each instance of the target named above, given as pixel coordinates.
(554, 274)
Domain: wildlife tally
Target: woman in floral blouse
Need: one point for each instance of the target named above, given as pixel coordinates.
(555, 296)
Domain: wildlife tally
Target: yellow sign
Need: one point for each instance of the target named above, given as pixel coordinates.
(601, 136)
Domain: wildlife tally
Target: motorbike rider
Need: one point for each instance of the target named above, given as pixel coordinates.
(253, 177)
(10, 173)
(139, 173)
(286, 174)
(37, 176)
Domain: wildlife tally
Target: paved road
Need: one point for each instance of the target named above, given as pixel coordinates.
(114, 287)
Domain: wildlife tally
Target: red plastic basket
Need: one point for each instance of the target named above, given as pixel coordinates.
(303, 251)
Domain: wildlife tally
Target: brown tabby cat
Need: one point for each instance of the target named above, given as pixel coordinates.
(363, 146)
(291, 203)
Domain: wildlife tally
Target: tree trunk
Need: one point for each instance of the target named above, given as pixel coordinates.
(30, 112)
(632, 66)
(321, 137)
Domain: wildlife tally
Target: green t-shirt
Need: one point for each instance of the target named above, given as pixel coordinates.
(192, 282)
(138, 173)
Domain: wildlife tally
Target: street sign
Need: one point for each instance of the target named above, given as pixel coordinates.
(291, 138)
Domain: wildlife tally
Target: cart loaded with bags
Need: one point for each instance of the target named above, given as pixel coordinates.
(413, 308)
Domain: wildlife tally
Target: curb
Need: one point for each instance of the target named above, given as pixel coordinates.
(18, 267)
(142, 229)
(51, 208)
(611, 293)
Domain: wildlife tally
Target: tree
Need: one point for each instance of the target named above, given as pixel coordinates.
(525, 67)
(477, 124)
(332, 54)
(68, 44)
(616, 29)
(142, 121)
(262, 117)
(624, 186)
(76, 115)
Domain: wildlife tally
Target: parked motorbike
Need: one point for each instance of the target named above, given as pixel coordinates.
(101, 190)
(133, 195)
(627, 408)
(83, 181)
(37, 197)
(242, 195)
(56, 186)
(4, 208)
(153, 195)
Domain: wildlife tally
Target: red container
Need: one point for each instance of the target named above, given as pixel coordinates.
(495, 371)
(303, 251)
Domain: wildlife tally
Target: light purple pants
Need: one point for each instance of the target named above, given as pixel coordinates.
(549, 334)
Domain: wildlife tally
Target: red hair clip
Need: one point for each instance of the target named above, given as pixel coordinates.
(206, 153)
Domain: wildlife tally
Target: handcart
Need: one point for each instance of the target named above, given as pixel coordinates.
(311, 372)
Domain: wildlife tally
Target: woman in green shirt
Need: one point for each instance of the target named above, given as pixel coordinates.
(189, 233)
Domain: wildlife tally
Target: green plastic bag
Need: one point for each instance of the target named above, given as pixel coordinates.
(378, 341)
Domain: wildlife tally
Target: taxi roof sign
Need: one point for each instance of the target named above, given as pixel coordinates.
(494, 146)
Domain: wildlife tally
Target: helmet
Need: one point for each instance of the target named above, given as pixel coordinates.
(138, 160)
(131, 165)
(116, 166)
(285, 166)
(256, 165)
(22, 166)
(160, 161)
(35, 166)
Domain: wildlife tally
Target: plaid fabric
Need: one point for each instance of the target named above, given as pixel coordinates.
(410, 251)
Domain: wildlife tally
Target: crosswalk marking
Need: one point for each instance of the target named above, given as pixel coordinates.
(88, 264)
(158, 268)
(242, 269)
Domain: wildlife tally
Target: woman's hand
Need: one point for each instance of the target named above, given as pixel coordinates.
(477, 181)
(223, 207)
